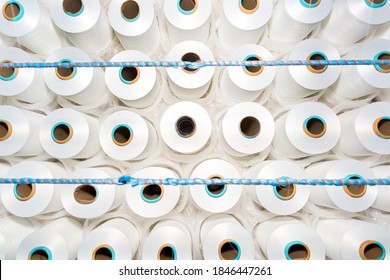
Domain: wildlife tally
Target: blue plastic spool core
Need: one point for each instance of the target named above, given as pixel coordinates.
(317, 69)
(24, 192)
(355, 191)
(215, 190)
(314, 126)
(385, 55)
(285, 192)
(40, 253)
(122, 134)
(66, 73)
(167, 252)
(129, 75)
(73, 8)
(375, 3)
(372, 250)
(187, 7)
(297, 250)
(152, 193)
(253, 70)
(61, 132)
(85, 194)
(130, 10)
(13, 10)
(103, 253)
(8, 74)
(310, 3)
(229, 250)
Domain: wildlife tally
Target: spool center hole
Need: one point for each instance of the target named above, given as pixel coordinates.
(285, 192)
(12, 10)
(250, 127)
(384, 56)
(253, 69)
(214, 188)
(65, 73)
(373, 252)
(24, 191)
(298, 252)
(229, 251)
(103, 254)
(152, 192)
(130, 9)
(129, 74)
(122, 135)
(317, 56)
(356, 190)
(72, 6)
(39, 255)
(384, 127)
(61, 132)
(187, 5)
(249, 5)
(167, 253)
(191, 57)
(7, 72)
(315, 126)
(311, 2)
(85, 194)
(4, 130)
(185, 126)
(376, 1)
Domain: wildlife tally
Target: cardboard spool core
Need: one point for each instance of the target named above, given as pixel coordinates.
(382, 127)
(24, 192)
(228, 250)
(39, 255)
(249, 6)
(371, 250)
(65, 73)
(185, 126)
(355, 191)
(85, 194)
(11, 10)
(215, 189)
(286, 192)
(122, 135)
(298, 252)
(103, 253)
(5, 130)
(191, 57)
(152, 192)
(72, 6)
(376, 1)
(166, 253)
(310, 2)
(314, 127)
(316, 68)
(62, 133)
(129, 74)
(188, 5)
(250, 127)
(7, 73)
(130, 9)
(253, 70)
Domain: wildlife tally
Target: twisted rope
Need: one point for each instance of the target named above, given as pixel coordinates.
(128, 180)
(195, 65)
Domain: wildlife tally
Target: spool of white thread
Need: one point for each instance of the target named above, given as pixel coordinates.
(382, 201)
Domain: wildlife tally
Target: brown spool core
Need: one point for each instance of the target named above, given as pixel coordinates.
(185, 126)
(249, 6)
(311, 1)
(298, 252)
(130, 74)
(130, 10)
(10, 11)
(228, 250)
(215, 189)
(316, 68)
(355, 190)
(188, 5)
(152, 192)
(191, 57)
(370, 250)
(85, 194)
(7, 72)
(5, 130)
(250, 127)
(122, 136)
(166, 253)
(102, 253)
(382, 127)
(65, 73)
(315, 127)
(24, 191)
(62, 133)
(375, 1)
(253, 70)
(72, 6)
(286, 192)
(39, 255)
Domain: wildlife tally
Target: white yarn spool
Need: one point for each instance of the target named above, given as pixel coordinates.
(6, 41)
(135, 24)
(79, 84)
(382, 201)
(347, 198)
(24, 84)
(293, 20)
(4, 167)
(351, 20)
(243, 23)
(30, 25)
(84, 23)
(354, 240)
